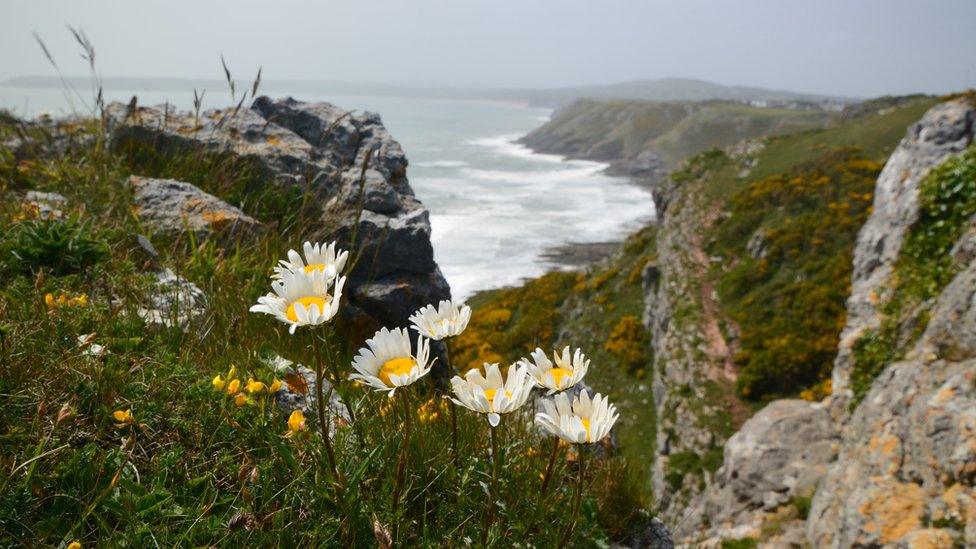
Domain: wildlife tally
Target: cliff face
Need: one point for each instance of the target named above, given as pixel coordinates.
(944, 131)
(346, 160)
(898, 470)
(906, 471)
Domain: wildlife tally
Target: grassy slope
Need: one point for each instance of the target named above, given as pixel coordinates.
(620, 130)
(197, 470)
(808, 194)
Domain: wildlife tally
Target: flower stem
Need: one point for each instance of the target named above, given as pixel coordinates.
(495, 467)
(336, 380)
(402, 463)
(322, 405)
(454, 437)
(577, 497)
(552, 462)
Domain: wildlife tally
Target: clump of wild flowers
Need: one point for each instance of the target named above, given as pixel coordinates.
(306, 293)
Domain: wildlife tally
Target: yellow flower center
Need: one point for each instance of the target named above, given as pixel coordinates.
(307, 302)
(490, 394)
(396, 367)
(559, 373)
(312, 267)
(586, 425)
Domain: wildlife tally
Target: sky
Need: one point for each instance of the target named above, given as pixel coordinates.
(857, 48)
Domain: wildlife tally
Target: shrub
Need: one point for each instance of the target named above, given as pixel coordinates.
(628, 342)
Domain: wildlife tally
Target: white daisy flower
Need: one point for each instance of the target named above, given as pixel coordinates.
(318, 257)
(301, 299)
(565, 373)
(386, 362)
(491, 394)
(447, 320)
(586, 421)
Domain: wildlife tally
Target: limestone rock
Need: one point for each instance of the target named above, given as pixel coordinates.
(48, 205)
(172, 207)
(298, 391)
(945, 130)
(323, 149)
(649, 534)
(173, 301)
(777, 456)
(907, 459)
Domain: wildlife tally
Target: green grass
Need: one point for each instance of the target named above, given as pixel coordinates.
(195, 469)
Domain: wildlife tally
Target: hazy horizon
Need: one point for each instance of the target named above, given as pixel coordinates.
(870, 48)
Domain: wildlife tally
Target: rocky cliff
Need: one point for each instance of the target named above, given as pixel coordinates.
(891, 460)
(350, 166)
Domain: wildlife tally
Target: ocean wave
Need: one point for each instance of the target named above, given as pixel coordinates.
(442, 164)
(570, 173)
(507, 145)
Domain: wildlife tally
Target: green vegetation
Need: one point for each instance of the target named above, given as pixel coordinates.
(786, 241)
(57, 246)
(787, 293)
(740, 543)
(192, 468)
(947, 202)
(621, 130)
(682, 464)
(597, 311)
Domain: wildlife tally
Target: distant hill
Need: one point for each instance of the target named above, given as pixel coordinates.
(647, 138)
(665, 89)
(677, 89)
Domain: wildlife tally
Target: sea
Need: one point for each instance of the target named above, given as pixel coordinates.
(495, 206)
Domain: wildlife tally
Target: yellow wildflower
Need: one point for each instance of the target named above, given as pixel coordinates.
(74, 545)
(124, 417)
(233, 386)
(275, 386)
(232, 372)
(296, 422)
(240, 400)
(254, 386)
(49, 300)
(218, 383)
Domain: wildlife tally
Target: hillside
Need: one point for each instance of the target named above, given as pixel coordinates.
(646, 139)
(743, 288)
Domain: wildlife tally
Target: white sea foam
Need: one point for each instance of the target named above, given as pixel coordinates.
(507, 145)
(442, 164)
(509, 206)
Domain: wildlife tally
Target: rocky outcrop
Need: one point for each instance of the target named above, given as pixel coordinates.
(907, 466)
(354, 169)
(773, 462)
(945, 130)
(171, 207)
